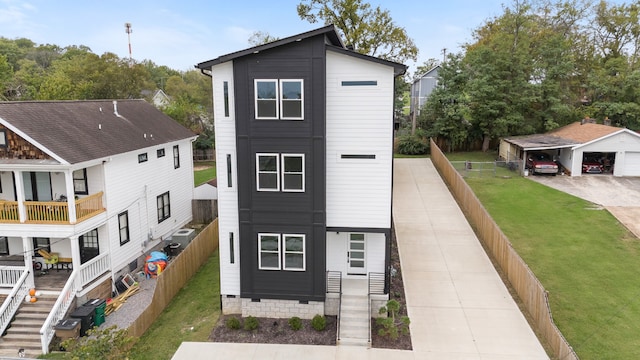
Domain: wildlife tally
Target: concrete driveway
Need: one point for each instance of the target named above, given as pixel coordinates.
(619, 195)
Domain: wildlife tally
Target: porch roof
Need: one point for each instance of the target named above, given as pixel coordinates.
(79, 131)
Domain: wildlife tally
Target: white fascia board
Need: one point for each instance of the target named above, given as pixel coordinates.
(9, 126)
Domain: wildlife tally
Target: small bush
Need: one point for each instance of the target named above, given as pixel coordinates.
(393, 325)
(295, 323)
(413, 145)
(232, 323)
(250, 323)
(319, 322)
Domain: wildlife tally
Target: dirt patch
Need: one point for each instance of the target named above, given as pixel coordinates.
(276, 331)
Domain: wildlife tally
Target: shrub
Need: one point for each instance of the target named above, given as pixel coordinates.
(232, 323)
(392, 325)
(319, 322)
(295, 323)
(413, 145)
(112, 341)
(250, 323)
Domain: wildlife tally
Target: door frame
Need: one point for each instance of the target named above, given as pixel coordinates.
(350, 259)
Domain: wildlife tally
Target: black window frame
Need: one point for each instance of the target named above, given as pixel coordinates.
(4, 245)
(143, 158)
(163, 206)
(125, 227)
(160, 153)
(46, 247)
(82, 181)
(176, 156)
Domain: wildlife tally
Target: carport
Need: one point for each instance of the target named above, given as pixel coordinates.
(616, 149)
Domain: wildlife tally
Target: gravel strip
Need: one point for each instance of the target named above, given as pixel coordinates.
(133, 306)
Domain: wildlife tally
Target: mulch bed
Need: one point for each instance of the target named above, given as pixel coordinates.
(277, 331)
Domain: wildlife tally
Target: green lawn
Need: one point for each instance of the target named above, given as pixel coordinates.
(587, 261)
(191, 316)
(202, 176)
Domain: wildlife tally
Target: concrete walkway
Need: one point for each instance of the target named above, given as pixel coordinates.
(459, 307)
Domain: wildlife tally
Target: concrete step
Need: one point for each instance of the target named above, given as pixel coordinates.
(345, 341)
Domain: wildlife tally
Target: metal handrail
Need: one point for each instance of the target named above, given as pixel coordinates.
(332, 277)
(376, 285)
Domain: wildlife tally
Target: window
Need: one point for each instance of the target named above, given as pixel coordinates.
(225, 86)
(41, 243)
(142, 157)
(160, 153)
(164, 207)
(89, 246)
(232, 252)
(123, 225)
(266, 99)
(293, 172)
(4, 245)
(229, 178)
(294, 252)
(267, 172)
(269, 254)
(80, 182)
(176, 157)
(291, 101)
(279, 99)
(3, 138)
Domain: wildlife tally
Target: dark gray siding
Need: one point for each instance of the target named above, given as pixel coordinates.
(282, 212)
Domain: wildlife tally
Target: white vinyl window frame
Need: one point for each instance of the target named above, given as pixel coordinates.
(275, 172)
(258, 99)
(294, 252)
(289, 172)
(270, 252)
(284, 101)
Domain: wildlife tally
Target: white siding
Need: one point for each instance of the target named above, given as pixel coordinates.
(337, 245)
(133, 187)
(359, 122)
(620, 143)
(227, 196)
(632, 164)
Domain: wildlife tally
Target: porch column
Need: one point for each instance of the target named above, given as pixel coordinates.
(17, 180)
(75, 252)
(71, 198)
(27, 247)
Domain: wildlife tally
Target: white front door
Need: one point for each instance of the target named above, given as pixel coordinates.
(356, 255)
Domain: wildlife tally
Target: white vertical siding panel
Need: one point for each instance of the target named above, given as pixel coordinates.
(359, 121)
(227, 196)
(337, 252)
(375, 252)
(133, 187)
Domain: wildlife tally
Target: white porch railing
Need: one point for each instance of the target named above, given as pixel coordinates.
(9, 275)
(60, 308)
(15, 298)
(88, 272)
(93, 268)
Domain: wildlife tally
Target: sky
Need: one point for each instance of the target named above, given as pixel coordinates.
(180, 34)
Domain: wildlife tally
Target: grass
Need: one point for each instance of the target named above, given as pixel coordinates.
(202, 176)
(191, 316)
(583, 256)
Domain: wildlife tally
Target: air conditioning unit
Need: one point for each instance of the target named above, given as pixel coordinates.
(183, 237)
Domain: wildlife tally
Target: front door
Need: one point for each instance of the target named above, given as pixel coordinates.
(37, 186)
(356, 255)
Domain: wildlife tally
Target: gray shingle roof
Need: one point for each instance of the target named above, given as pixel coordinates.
(79, 131)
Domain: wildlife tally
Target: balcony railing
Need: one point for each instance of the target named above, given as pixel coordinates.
(51, 212)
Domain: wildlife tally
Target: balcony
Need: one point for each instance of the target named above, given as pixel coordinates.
(51, 212)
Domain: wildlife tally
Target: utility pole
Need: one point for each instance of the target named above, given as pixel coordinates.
(128, 30)
(444, 55)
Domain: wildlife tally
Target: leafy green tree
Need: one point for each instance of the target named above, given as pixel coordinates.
(371, 31)
(188, 113)
(6, 74)
(261, 37)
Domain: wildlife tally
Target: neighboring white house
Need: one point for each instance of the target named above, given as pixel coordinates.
(100, 182)
(206, 191)
(304, 144)
(160, 99)
(573, 144)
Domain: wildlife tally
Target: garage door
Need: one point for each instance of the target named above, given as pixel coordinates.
(632, 164)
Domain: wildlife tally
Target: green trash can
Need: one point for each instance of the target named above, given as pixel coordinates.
(99, 306)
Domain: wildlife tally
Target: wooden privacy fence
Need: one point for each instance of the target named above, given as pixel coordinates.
(173, 278)
(529, 289)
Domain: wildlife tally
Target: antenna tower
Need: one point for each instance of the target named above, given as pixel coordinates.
(128, 30)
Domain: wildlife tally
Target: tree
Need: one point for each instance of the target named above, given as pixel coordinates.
(370, 31)
(261, 37)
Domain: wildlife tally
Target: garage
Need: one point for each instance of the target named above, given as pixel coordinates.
(632, 164)
(580, 149)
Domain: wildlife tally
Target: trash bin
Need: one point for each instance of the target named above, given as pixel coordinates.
(86, 315)
(99, 307)
(67, 329)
